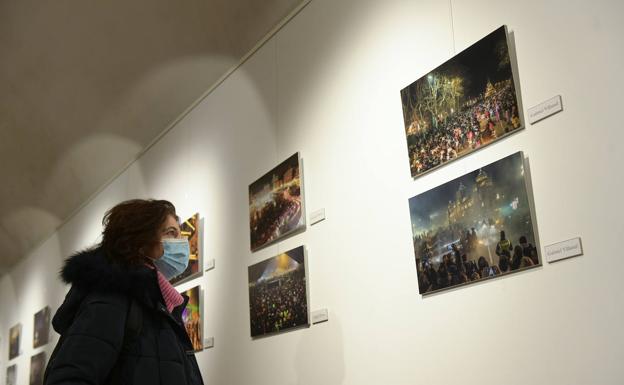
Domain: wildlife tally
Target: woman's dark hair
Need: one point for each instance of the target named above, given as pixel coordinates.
(517, 252)
(132, 228)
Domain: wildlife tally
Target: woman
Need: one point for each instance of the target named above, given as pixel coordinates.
(121, 320)
(519, 260)
(485, 270)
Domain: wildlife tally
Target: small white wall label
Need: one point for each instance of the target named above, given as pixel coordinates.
(545, 109)
(317, 216)
(319, 316)
(562, 250)
(208, 342)
(210, 264)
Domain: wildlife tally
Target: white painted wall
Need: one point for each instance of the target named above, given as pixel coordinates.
(327, 85)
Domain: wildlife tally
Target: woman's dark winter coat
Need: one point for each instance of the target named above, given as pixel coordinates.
(115, 328)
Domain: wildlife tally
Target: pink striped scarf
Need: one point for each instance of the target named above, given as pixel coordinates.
(171, 296)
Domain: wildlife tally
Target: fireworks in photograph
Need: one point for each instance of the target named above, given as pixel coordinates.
(15, 334)
(11, 375)
(278, 293)
(190, 229)
(41, 333)
(192, 317)
(466, 103)
(475, 227)
(37, 368)
(276, 204)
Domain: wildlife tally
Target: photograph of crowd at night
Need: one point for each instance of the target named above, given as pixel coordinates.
(192, 317)
(464, 104)
(37, 368)
(278, 293)
(475, 227)
(11, 376)
(276, 204)
(190, 229)
(41, 333)
(15, 335)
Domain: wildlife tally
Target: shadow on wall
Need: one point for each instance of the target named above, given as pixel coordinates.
(135, 89)
(134, 92)
(327, 368)
(86, 162)
(124, 86)
(19, 229)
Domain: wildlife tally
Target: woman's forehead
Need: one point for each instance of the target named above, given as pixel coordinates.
(171, 221)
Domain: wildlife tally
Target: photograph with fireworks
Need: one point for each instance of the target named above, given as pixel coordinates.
(190, 229)
(464, 104)
(15, 335)
(37, 368)
(278, 295)
(276, 204)
(41, 333)
(474, 227)
(192, 317)
(11, 375)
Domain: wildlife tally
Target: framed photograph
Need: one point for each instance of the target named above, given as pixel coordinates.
(463, 105)
(276, 207)
(278, 293)
(41, 333)
(192, 317)
(475, 227)
(37, 368)
(11, 375)
(15, 336)
(191, 228)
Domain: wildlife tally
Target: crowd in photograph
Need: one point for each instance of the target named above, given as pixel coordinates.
(479, 121)
(278, 304)
(275, 217)
(456, 268)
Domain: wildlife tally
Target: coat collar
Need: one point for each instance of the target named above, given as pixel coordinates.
(92, 271)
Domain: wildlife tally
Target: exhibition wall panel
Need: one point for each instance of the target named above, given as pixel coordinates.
(445, 338)
(327, 85)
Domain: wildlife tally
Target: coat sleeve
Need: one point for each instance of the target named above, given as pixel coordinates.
(92, 343)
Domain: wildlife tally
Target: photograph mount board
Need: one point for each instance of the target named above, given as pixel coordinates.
(276, 204)
(41, 332)
(192, 317)
(191, 228)
(278, 293)
(463, 105)
(475, 227)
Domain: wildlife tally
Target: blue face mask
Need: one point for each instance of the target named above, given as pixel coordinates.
(175, 259)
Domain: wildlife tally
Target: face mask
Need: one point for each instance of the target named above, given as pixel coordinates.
(175, 259)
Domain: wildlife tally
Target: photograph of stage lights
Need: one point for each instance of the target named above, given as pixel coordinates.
(278, 296)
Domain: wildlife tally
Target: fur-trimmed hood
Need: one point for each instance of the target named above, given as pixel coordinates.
(90, 272)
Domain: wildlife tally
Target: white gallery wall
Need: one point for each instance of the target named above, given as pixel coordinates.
(327, 84)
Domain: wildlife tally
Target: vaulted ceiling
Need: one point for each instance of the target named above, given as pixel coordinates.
(85, 86)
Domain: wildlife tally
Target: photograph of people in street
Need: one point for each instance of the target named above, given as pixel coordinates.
(464, 104)
(474, 227)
